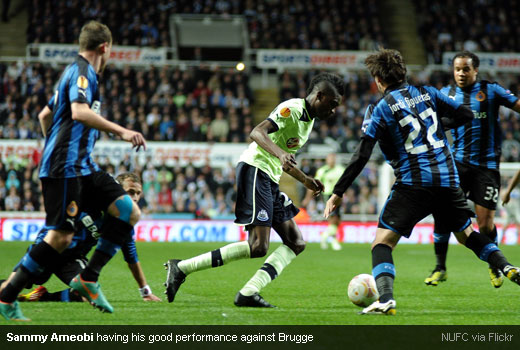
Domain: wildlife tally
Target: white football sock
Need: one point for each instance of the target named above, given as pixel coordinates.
(216, 258)
(273, 267)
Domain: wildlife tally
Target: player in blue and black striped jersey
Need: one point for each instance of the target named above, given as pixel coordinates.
(476, 148)
(74, 259)
(71, 181)
(408, 122)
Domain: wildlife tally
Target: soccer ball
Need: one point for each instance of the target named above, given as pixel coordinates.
(362, 290)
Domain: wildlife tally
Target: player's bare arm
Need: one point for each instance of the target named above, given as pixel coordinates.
(260, 136)
(507, 193)
(516, 107)
(82, 113)
(144, 289)
(314, 185)
(45, 118)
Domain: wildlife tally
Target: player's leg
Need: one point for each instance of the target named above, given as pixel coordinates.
(486, 225)
(254, 208)
(66, 271)
(280, 211)
(256, 246)
(484, 192)
(486, 250)
(102, 192)
(383, 270)
(179, 269)
(332, 230)
(62, 203)
(293, 244)
(440, 245)
(404, 208)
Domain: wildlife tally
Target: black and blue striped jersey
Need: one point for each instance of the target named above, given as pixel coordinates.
(479, 142)
(407, 124)
(69, 144)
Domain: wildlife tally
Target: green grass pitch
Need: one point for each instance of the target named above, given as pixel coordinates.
(312, 290)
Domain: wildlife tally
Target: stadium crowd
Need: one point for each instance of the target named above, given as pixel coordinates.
(214, 105)
(203, 104)
(478, 26)
(165, 104)
(272, 24)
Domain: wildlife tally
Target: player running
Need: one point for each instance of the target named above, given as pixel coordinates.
(71, 181)
(476, 148)
(260, 205)
(408, 122)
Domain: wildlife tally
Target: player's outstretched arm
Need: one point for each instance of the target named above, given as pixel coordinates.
(332, 204)
(144, 288)
(314, 185)
(507, 193)
(82, 113)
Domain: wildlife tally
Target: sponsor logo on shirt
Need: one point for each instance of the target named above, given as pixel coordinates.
(285, 112)
(293, 142)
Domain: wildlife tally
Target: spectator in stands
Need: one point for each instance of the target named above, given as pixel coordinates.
(13, 200)
(218, 128)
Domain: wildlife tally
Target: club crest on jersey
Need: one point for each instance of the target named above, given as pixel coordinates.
(82, 82)
(480, 96)
(72, 209)
(293, 142)
(285, 112)
(262, 215)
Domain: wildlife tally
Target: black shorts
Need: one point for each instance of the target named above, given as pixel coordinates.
(259, 200)
(407, 205)
(481, 185)
(65, 199)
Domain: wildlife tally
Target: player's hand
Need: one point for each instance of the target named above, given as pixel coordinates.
(332, 204)
(151, 297)
(314, 185)
(288, 161)
(135, 138)
(506, 196)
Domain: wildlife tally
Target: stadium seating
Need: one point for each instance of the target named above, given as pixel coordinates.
(480, 26)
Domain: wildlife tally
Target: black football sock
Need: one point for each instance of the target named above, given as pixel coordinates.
(33, 263)
(105, 250)
(95, 264)
(493, 235)
(383, 271)
(486, 250)
(441, 252)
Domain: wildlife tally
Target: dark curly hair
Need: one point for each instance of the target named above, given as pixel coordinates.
(388, 65)
(333, 79)
(467, 54)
